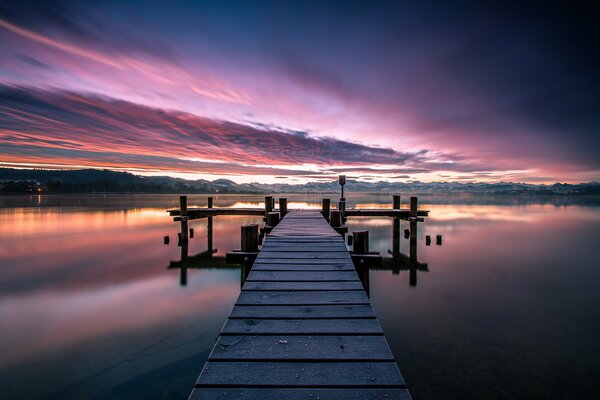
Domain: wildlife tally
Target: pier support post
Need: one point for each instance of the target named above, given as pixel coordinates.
(396, 228)
(268, 205)
(414, 202)
(272, 219)
(282, 207)
(184, 217)
(336, 220)
(249, 238)
(362, 257)
(326, 208)
(361, 242)
(209, 226)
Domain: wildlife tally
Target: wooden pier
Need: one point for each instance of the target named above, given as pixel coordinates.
(303, 326)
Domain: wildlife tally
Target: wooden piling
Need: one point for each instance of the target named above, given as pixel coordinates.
(396, 228)
(438, 240)
(414, 204)
(209, 226)
(249, 238)
(268, 205)
(427, 240)
(361, 242)
(282, 207)
(166, 240)
(184, 219)
(273, 218)
(191, 233)
(335, 219)
(325, 208)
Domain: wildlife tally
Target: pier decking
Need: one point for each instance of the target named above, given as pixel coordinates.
(302, 327)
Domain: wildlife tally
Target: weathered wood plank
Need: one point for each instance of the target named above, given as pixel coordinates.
(309, 255)
(302, 276)
(259, 266)
(303, 311)
(302, 326)
(225, 393)
(304, 374)
(303, 298)
(301, 348)
(287, 286)
(304, 261)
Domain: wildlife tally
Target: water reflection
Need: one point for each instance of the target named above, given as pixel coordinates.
(88, 309)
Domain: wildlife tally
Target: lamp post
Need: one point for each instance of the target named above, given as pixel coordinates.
(342, 182)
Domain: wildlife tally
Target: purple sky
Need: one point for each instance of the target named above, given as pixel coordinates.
(252, 91)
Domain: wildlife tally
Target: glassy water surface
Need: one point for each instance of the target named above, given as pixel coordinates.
(509, 306)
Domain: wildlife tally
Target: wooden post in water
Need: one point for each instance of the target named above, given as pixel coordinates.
(184, 218)
(268, 205)
(361, 246)
(326, 208)
(282, 207)
(249, 238)
(335, 220)
(414, 203)
(396, 228)
(273, 218)
(361, 242)
(209, 226)
(249, 244)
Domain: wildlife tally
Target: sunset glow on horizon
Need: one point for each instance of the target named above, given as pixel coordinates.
(277, 92)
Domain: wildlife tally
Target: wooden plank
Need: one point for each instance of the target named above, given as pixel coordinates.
(227, 393)
(303, 298)
(302, 326)
(335, 276)
(304, 261)
(287, 286)
(307, 255)
(304, 374)
(303, 311)
(301, 348)
(259, 266)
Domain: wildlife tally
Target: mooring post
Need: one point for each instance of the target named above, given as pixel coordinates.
(249, 238)
(282, 207)
(361, 247)
(414, 203)
(335, 219)
(361, 242)
(272, 219)
(396, 228)
(209, 226)
(268, 205)
(184, 219)
(325, 208)
(249, 244)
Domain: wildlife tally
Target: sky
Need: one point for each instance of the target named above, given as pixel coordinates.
(276, 91)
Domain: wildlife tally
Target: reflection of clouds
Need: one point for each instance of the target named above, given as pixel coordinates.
(51, 320)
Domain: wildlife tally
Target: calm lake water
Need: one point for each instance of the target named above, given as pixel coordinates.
(509, 306)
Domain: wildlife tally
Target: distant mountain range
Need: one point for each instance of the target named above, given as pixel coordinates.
(102, 181)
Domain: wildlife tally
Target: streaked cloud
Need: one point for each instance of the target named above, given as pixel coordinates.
(389, 90)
